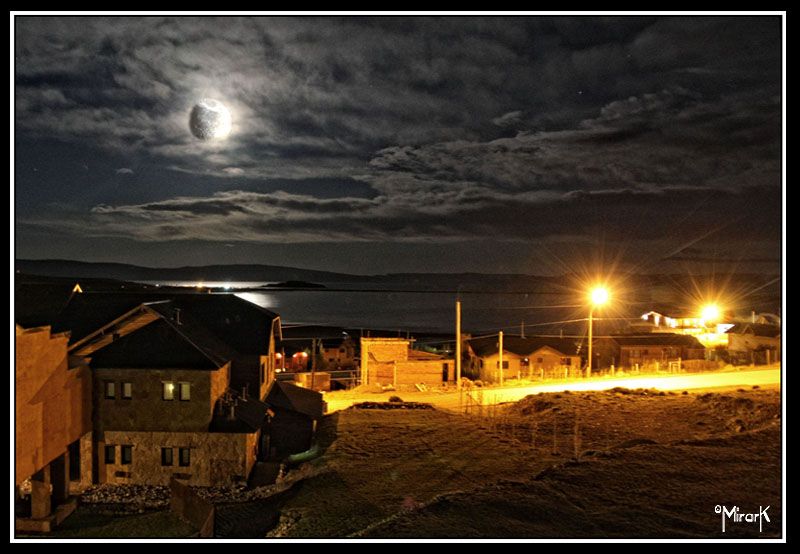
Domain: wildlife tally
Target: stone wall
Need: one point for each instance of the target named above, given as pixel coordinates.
(386, 361)
(746, 343)
(53, 400)
(216, 458)
(146, 410)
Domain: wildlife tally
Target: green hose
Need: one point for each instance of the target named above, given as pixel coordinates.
(309, 454)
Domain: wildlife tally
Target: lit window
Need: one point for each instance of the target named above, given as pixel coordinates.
(127, 391)
(186, 391)
(110, 389)
(168, 392)
(166, 456)
(184, 458)
(127, 454)
(111, 454)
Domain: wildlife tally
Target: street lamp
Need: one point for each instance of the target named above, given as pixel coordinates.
(598, 297)
(709, 313)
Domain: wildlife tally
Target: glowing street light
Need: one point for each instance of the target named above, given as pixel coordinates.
(710, 313)
(598, 297)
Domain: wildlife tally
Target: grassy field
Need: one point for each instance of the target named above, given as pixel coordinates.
(602, 464)
(86, 523)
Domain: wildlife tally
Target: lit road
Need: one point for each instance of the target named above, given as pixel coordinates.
(492, 395)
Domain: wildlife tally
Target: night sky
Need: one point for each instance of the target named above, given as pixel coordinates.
(370, 145)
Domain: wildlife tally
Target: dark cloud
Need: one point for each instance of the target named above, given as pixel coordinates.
(501, 128)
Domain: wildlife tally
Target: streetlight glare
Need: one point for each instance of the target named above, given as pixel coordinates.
(599, 296)
(710, 312)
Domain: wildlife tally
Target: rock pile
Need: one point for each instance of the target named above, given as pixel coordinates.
(392, 406)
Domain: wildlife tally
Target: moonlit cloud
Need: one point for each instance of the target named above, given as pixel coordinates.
(456, 129)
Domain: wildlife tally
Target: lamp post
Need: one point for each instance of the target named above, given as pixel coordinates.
(599, 296)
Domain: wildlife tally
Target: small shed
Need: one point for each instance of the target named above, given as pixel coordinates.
(293, 415)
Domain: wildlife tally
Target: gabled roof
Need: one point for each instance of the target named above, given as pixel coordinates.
(157, 345)
(87, 312)
(488, 346)
(244, 326)
(166, 341)
(658, 339)
(294, 398)
(36, 304)
(193, 328)
(756, 329)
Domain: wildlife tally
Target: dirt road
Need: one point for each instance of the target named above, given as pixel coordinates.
(451, 400)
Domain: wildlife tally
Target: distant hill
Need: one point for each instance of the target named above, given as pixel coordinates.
(748, 291)
(69, 268)
(271, 273)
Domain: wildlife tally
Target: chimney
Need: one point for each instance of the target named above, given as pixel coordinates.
(176, 315)
(232, 413)
(244, 392)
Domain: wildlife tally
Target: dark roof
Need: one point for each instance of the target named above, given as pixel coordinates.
(155, 346)
(193, 328)
(312, 332)
(168, 342)
(36, 305)
(658, 339)
(86, 312)
(297, 399)
(249, 414)
(757, 329)
(487, 346)
(244, 326)
(334, 343)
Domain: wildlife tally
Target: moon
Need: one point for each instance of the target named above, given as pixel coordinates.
(210, 119)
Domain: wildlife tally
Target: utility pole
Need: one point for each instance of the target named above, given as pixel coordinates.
(313, 360)
(589, 367)
(500, 350)
(458, 344)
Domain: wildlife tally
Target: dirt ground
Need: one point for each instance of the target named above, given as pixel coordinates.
(616, 463)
